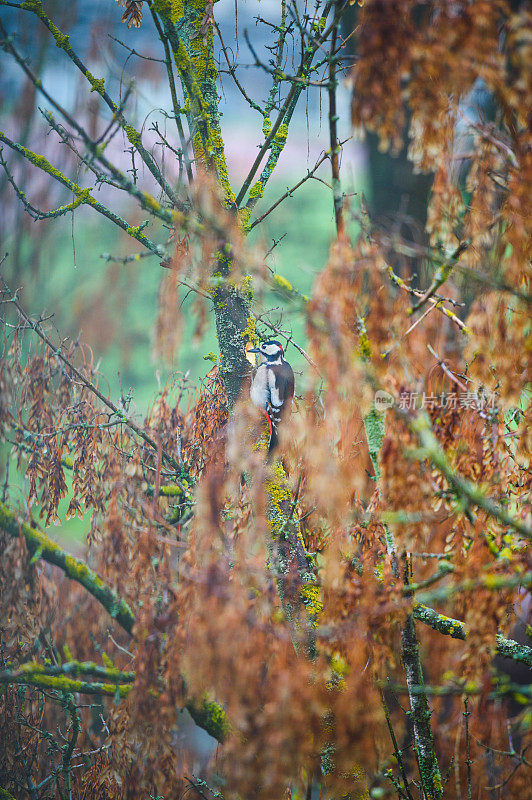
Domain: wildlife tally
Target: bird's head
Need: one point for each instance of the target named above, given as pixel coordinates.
(272, 351)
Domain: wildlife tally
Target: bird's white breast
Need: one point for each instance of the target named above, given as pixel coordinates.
(259, 387)
(274, 396)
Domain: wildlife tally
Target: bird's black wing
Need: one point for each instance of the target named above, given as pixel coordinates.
(280, 393)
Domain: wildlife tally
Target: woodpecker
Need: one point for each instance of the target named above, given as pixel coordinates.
(272, 387)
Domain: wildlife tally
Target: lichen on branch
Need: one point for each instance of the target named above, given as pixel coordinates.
(41, 546)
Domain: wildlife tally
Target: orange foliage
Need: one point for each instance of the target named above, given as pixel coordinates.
(279, 590)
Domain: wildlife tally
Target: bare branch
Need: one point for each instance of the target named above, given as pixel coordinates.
(83, 196)
(97, 85)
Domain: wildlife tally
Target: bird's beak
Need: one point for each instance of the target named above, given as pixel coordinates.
(251, 356)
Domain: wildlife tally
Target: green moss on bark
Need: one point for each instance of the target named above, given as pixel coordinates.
(38, 543)
(210, 716)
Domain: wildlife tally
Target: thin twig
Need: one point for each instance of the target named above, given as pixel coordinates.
(467, 714)
(436, 303)
(232, 73)
(442, 274)
(99, 87)
(133, 52)
(396, 751)
(295, 90)
(68, 750)
(173, 93)
(289, 339)
(333, 138)
(94, 389)
(289, 192)
(446, 369)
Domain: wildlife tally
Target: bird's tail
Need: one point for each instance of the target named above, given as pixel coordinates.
(274, 441)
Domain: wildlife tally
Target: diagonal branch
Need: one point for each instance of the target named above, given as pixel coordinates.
(434, 303)
(5, 795)
(443, 273)
(62, 684)
(147, 202)
(41, 546)
(431, 449)
(289, 192)
(208, 714)
(98, 85)
(277, 136)
(456, 629)
(83, 196)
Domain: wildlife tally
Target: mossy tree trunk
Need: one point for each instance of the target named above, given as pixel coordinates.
(189, 31)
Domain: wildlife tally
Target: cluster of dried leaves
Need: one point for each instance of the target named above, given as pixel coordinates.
(132, 13)
(189, 525)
